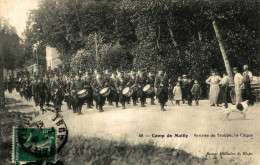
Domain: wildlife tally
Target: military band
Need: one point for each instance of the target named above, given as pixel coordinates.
(78, 89)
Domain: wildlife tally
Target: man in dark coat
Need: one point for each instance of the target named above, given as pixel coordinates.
(120, 84)
(34, 91)
(88, 86)
(98, 85)
(41, 90)
(109, 82)
(76, 86)
(132, 83)
(141, 82)
(150, 81)
(161, 87)
(57, 87)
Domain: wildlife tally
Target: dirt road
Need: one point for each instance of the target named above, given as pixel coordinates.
(201, 130)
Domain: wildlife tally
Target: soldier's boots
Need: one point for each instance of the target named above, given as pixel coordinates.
(79, 111)
(110, 103)
(117, 105)
(134, 103)
(162, 107)
(142, 104)
(101, 109)
(89, 106)
(152, 101)
(123, 106)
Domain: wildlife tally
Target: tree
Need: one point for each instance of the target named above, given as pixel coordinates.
(7, 38)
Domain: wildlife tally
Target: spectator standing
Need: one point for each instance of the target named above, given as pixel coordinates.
(247, 79)
(238, 81)
(196, 91)
(213, 80)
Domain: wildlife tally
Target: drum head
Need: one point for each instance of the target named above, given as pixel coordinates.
(81, 91)
(104, 90)
(126, 90)
(146, 88)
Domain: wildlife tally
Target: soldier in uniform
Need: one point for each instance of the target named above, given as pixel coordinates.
(88, 87)
(48, 83)
(127, 77)
(161, 87)
(34, 91)
(98, 85)
(57, 92)
(113, 79)
(132, 84)
(141, 82)
(121, 83)
(108, 81)
(27, 86)
(150, 81)
(41, 90)
(76, 86)
(67, 96)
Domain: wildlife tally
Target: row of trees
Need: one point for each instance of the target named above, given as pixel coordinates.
(190, 37)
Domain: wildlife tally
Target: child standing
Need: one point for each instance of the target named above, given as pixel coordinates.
(177, 93)
(196, 91)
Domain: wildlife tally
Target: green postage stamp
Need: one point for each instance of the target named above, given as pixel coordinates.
(34, 144)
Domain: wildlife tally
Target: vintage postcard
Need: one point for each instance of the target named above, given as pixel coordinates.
(112, 82)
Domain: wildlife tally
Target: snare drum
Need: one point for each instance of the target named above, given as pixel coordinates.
(105, 92)
(82, 93)
(127, 92)
(148, 89)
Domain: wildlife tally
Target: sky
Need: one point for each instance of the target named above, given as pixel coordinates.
(16, 11)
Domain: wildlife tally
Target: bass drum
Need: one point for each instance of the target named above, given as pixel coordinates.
(148, 89)
(105, 92)
(127, 92)
(82, 93)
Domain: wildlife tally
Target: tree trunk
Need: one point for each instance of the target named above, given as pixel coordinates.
(78, 20)
(96, 49)
(173, 38)
(223, 52)
(2, 94)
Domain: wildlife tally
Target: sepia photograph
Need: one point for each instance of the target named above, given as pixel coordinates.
(129, 82)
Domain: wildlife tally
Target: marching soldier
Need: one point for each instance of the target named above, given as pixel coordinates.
(41, 89)
(67, 96)
(113, 79)
(34, 91)
(57, 92)
(161, 87)
(88, 86)
(48, 83)
(150, 81)
(132, 84)
(98, 85)
(121, 83)
(108, 80)
(127, 77)
(27, 86)
(78, 102)
(141, 82)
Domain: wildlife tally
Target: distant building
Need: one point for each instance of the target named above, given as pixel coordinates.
(52, 58)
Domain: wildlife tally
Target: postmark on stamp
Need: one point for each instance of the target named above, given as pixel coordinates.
(40, 137)
(32, 144)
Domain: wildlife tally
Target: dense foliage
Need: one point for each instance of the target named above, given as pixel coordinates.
(177, 35)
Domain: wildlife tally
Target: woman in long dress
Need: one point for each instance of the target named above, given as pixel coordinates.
(214, 81)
